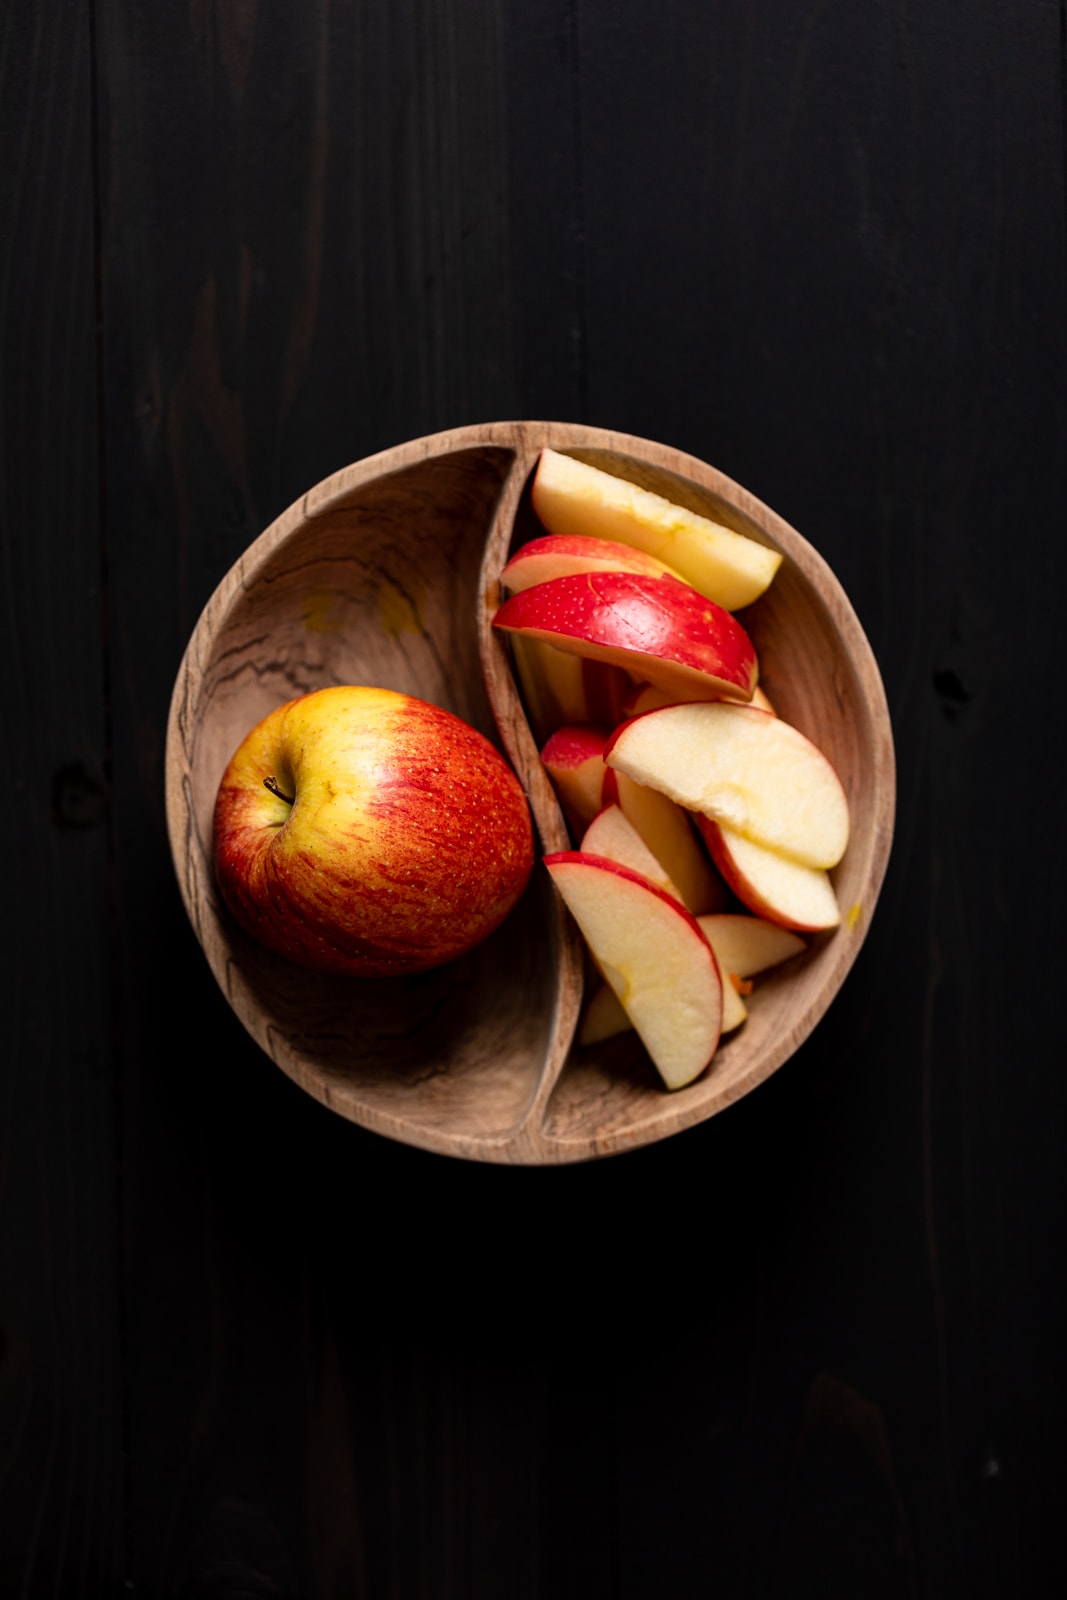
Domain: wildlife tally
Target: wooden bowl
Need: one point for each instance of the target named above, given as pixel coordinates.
(386, 574)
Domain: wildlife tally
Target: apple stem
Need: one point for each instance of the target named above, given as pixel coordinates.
(272, 785)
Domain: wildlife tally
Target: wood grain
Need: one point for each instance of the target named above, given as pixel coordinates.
(387, 575)
(61, 1417)
(811, 1348)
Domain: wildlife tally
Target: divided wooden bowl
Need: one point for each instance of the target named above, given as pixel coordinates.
(386, 574)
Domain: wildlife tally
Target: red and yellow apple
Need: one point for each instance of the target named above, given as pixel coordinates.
(362, 831)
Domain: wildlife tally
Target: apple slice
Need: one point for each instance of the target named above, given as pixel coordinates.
(734, 1010)
(573, 757)
(744, 946)
(668, 832)
(604, 1016)
(744, 768)
(658, 629)
(563, 555)
(571, 497)
(749, 945)
(553, 689)
(606, 690)
(771, 885)
(613, 835)
(644, 697)
(560, 689)
(653, 954)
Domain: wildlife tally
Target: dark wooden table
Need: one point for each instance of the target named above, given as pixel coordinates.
(813, 1347)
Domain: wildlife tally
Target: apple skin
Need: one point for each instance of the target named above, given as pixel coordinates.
(408, 839)
(559, 555)
(793, 896)
(573, 757)
(660, 630)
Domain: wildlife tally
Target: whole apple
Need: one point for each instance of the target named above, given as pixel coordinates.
(362, 831)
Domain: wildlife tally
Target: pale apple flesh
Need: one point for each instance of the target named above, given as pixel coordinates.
(653, 954)
(573, 757)
(603, 1017)
(771, 885)
(572, 497)
(552, 684)
(408, 839)
(612, 834)
(744, 946)
(659, 630)
(559, 688)
(643, 697)
(749, 945)
(744, 768)
(668, 832)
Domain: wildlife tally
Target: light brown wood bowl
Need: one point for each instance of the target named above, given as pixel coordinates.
(386, 574)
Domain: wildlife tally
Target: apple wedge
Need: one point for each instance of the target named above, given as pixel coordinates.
(552, 685)
(603, 1017)
(571, 497)
(653, 954)
(743, 768)
(771, 885)
(573, 757)
(612, 834)
(559, 688)
(659, 630)
(644, 697)
(564, 555)
(668, 832)
(744, 946)
(749, 945)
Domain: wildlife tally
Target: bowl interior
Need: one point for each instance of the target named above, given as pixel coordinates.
(386, 575)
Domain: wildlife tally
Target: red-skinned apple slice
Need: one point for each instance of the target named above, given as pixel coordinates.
(771, 885)
(743, 768)
(654, 956)
(668, 832)
(573, 757)
(571, 497)
(563, 555)
(744, 946)
(612, 834)
(659, 630)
